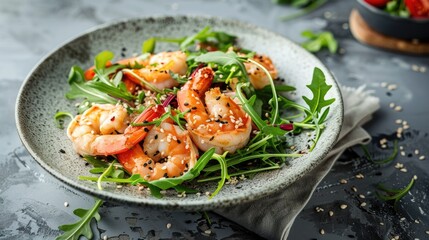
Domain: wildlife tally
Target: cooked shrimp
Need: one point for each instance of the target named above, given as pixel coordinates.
(221, 123)
(157, 72)
(103, 129)
(167, 151)
(258, 78)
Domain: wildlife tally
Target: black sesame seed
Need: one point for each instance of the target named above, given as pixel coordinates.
(211, 138)
(144, 164)
(62, 151)
(186, 104)
(218, 97)
(156, 136)
(146, 129)
(194, 108)
(178, 141)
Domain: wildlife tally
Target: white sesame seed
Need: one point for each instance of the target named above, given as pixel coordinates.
(331, 213)
(392, 105)
(415, 177)
(322, 231)
(361, 196)
(403, 170)
(417, 152)
(398, 108)
(392, 87)
(383, 84)
(427, 232)
(422, 69)
(343, 181)
(66, 204)
(354, 189)
(168, 225)
(359, 176)
(319, 209)
(399, 165)
(343, 206)
(363, 204)
(105, 237)
(402, 153)
(398, 121)
(208, 231)
(414, 67)
(417, 221)
(422, 157)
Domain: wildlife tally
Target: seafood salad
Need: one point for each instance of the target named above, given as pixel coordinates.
(208, 111)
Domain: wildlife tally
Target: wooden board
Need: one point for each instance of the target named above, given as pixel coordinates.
(365, 34)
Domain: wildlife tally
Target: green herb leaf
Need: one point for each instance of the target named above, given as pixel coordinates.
(111, 90)
(395, 195)
(319, 88)
(102, 59)
(59, 118)
(85, 91)
(83, 226)
(149, 45)
(306, 7)
(167, 183)
(318, 41)
(224, 59)
(386, 160)
(276, 131)
(76, 75)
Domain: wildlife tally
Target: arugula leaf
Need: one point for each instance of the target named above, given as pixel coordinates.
(247, 107)
(111, 90)
(58, 117)
(76, 75)
(82, 90)
(319, 88)
(306, 6)
(388, 159)
(149, 45)
(167, 183)
(393, 194)
(102, 59)
(79, 88)
(224, 59)
(318, 41)
(83, 226)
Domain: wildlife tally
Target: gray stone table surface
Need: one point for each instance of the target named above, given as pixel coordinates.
(32, 201)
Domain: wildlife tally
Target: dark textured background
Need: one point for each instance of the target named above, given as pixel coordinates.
(32, 201)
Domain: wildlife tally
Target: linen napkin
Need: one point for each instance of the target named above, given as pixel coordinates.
(272, 216)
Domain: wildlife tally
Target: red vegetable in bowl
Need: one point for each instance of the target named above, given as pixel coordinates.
(418, 8)
(377, 3)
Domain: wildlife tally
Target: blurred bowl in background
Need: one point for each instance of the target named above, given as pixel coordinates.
(393, 26)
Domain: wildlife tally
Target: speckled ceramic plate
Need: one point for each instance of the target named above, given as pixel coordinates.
(42, 95)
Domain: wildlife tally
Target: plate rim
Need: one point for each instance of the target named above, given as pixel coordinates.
(206, 205)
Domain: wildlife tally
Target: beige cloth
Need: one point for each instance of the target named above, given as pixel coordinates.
(271, 217)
